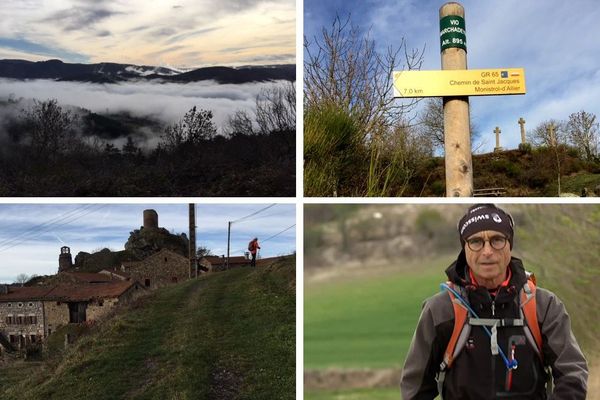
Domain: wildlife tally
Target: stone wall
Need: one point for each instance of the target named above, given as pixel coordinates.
(160, 269)
(22, 322)
(57, 314)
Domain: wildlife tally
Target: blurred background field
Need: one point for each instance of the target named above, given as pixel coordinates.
(368, 268)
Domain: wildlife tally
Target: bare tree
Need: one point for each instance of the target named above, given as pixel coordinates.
(239, 123)
(203, 251)
(196, 125)
(344, 68)
(583, 132)
(276, 109)
(550, 133)
(431, 124)
(49, 126)
(21, 279)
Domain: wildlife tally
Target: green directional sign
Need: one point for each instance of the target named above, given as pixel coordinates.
(452, 32)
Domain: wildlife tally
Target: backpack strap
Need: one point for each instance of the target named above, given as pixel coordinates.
(460, 318)
(459, 336)
(529, 311)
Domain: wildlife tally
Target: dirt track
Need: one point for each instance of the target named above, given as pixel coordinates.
(339, 379)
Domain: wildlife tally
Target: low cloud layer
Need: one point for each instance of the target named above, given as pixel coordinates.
(167, 102)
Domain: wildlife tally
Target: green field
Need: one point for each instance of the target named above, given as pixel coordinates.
(227, 335)
(367, 322)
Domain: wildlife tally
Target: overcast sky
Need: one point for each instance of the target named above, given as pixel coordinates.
(32, 234)
(178, 33)
(555, 41)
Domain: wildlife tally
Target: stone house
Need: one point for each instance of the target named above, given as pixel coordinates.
(160, 269)
(28, 315)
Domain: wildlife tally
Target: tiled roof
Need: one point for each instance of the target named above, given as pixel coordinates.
(68, 292)
(89, 277)
(25, 293)
(122, 274)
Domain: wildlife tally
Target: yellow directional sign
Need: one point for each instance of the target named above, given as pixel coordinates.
(459, 82)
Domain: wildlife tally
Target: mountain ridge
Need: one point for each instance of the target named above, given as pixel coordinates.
(109, 72)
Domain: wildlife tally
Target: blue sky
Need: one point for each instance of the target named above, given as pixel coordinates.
(177, 33)
(554, 40)
(91, 227)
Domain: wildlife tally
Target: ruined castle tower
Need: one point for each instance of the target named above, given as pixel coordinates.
(65, 262)
(150, 219)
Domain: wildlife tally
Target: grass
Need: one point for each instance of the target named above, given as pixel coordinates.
(366, 322)
(230, 334)
(574, 184)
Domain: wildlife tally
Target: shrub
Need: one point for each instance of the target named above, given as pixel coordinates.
(331, 142)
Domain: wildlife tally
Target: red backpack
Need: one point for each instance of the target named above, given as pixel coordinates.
(459, 336)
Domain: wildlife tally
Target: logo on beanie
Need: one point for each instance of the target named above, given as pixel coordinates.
(496, 218)
(472, 220)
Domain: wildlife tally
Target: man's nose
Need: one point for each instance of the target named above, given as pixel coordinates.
(487, 248)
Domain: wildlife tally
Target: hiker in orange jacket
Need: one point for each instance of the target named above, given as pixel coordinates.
(495, 336)
(253, 248)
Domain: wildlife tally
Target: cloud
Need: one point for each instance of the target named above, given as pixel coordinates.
(79, 18)
(25, 46)
(167, 102)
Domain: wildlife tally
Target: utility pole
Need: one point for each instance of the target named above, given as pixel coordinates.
(457, 134)
(228, 242)
(193, 258)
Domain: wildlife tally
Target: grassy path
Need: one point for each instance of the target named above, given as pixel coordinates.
(227, 336)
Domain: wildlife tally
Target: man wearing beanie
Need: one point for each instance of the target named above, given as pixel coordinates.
(479, 338)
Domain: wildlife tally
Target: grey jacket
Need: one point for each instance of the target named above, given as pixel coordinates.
(476, 373)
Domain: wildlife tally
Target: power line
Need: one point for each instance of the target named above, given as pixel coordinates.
(284, 212)
(50, 221)
(67, 220)
(269, 238)
(254, 213)
(277, 234)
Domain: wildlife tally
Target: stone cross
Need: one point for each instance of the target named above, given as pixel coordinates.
(550, 131)
(522, 123)
(497, 132)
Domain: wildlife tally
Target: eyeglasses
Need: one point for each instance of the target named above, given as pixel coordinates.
(497, 243)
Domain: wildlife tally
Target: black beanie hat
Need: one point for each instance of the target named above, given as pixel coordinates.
(485, 217)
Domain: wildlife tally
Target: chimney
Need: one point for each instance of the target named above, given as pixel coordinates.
(65, 262)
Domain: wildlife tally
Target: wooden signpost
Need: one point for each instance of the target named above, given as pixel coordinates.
(455, 83)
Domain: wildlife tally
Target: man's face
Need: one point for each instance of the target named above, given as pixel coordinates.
(488, 264)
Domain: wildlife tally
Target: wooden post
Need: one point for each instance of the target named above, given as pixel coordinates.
(457, 135)
(497, 132)
(522, 123)
(228, 242)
